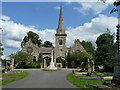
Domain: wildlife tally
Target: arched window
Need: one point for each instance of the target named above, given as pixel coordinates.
(34, 59)
(60, 42)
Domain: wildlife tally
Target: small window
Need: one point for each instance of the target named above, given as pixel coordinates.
(60, 42)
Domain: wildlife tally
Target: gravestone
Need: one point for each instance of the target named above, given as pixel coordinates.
(12, 66)
(89, 68)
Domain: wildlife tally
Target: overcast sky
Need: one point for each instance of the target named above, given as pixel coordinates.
(82, 20)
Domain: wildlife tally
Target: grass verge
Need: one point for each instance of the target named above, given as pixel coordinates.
(11, 77)
(83, 83)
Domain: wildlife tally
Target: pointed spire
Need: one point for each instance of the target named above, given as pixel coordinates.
(60, 23)
(60, 17)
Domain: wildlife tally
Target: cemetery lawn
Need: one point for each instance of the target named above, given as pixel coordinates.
(11, 77)
(83, 83)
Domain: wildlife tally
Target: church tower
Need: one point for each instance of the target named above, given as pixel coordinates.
(60, 42)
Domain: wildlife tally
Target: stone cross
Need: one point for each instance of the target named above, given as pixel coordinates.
(89, 68)
(12, 66)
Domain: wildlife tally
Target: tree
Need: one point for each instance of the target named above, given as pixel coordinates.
(48, 44)
(1, 49)
(88, 47)
(34, 38)
(78, 59)
(105, 52)
(116, 4)
(21, 58)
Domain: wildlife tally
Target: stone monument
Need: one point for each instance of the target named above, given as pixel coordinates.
(52, 65)
(89, 68)
(12, 66)
(116, 77)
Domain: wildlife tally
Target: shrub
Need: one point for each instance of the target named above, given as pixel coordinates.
(33, 65)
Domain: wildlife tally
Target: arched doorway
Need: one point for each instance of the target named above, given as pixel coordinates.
(46, 62)
(34, 59)
(60, 62)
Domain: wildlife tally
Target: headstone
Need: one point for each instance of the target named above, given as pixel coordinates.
(89, 68)
(12, 66)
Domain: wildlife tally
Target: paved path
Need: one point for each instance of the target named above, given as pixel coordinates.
(43, 79)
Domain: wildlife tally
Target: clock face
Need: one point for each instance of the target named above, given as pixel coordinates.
(29, 50)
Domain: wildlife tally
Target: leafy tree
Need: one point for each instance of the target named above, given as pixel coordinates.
(34, 38)
(105, 50)
(21, 58)
(1, 49)
(78, 59)
(60, 60)
(116, 5)
(88, 47)
(47, 44)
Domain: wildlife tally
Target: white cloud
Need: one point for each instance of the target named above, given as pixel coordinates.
(4, 17)
(95, 7)
(14, 33)
(90, 31)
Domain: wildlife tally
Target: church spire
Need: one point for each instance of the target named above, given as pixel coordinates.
(60, 28)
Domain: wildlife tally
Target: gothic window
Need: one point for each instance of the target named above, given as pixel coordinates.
(29, 50)
(60, 42)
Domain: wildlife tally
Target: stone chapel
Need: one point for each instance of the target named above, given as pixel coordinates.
(60, 50)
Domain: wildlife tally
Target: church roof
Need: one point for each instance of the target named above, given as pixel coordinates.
(45, 50)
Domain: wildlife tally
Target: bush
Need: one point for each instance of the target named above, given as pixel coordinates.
(108, 74)
(33, 65)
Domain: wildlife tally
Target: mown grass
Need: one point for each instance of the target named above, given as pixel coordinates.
(11, 77)
(83, 83)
